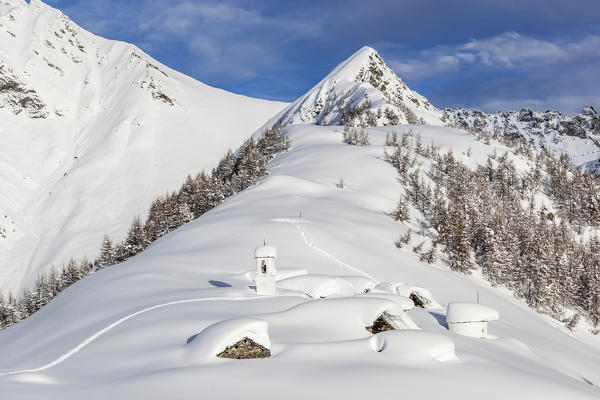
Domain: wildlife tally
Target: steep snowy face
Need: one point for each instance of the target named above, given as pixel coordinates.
(577, 136)
(92, 131)
(361, 91)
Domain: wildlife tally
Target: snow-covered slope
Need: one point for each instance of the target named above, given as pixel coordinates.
(139, 330)
(362, 90)
(92, 131)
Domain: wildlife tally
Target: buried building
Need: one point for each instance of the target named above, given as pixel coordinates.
(237, 338)
(469, 319)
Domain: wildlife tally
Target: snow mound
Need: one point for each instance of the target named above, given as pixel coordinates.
(329, 320)
(282, 273)
(399, 320)
(285, 273)
(318, 286)
(459, 312)
(402, 321)
(404, 302)
(415, 293)
(217, 337)
(408, 346)
(361, 284)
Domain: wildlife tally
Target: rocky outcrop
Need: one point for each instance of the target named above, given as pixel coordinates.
(20, 99)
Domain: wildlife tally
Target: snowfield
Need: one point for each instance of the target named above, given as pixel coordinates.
(151, 327)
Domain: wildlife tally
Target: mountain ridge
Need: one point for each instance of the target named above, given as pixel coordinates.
(549, 129)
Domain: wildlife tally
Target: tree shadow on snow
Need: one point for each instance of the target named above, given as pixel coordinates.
(219, 283)
(440, 318)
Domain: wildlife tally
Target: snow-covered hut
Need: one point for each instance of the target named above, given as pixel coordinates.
(265, 270)
(469, 319)
(237, 338)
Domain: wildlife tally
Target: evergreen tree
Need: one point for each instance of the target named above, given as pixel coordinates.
(107, 253)
(42, 293)
(9, 313)
(430, 256)
(458, 241)
(136, 239)
(226, 167)
(401, 212)
(363, 138)
(252, 165)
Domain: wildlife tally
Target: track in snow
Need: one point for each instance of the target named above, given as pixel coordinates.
(309, 243)
(90, 339)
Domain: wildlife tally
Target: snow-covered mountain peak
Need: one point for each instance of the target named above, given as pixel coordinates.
(363, 91)
(367, 66)
(349, 68)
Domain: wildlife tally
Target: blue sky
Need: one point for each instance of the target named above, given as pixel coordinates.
(501, 54)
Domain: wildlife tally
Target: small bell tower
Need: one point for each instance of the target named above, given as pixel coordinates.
(265, 270)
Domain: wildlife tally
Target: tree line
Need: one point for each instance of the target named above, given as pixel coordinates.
(490, 218)
(235, 172)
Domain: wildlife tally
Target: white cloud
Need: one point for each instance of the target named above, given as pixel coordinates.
(221, 37)
(508, 50)
(512, 49)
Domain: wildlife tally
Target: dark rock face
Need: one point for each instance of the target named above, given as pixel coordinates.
(379, 325)
(589, 111)
(526, 115)
(244, 349)
(418, 300)
(14, 94)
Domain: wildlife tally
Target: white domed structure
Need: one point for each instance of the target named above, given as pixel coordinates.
(470, 319)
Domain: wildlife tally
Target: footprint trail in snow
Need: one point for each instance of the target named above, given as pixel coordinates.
(298, 224)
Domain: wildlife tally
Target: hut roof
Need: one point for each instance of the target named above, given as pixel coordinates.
(470, 312)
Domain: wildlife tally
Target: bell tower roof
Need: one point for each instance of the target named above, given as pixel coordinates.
(265, 252)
